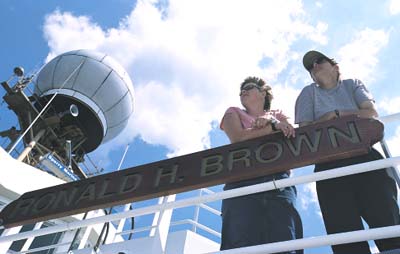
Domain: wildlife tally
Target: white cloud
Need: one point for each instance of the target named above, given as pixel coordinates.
(389, 105)
(308, 199)
(394, 143)
(282, 95)
(65, 32)
(190, 126)
(359, 57)
(394, 7)
(187, 59)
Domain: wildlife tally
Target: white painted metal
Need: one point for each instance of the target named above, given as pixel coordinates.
(121, 224)
(317, 241)
(4, 246)
(29, 241)
(162, 221)
(390, 118)
(48, 247)
(196, 224)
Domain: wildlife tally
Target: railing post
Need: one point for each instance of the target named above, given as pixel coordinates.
(163, 220)
(29, 241)
(196, 214)
(10, 231)
(121, 224)
(392, 171)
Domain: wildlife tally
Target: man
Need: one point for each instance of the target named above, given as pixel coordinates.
(345, 200)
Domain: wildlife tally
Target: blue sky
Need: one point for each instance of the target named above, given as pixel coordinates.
(186, 59)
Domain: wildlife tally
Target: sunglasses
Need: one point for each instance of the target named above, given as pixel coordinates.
(319, 60)
(248, 88)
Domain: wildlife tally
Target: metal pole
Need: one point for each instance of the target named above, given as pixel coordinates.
(68, 147)
(44, 109)
(392, 171)
(106, 224)
(30, 146)
(196, 214)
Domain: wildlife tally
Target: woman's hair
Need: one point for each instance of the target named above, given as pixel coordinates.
(263, 87)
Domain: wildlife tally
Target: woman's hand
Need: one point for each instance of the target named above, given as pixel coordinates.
(261, 122)
(286, 128)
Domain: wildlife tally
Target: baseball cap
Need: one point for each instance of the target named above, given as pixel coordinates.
(311, 56)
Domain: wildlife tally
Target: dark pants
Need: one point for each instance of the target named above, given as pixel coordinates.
(345, 200)
(260, 218)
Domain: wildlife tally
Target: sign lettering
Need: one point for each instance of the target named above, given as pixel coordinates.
(337, 139)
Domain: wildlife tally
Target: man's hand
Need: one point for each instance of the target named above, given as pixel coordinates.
(328, 116)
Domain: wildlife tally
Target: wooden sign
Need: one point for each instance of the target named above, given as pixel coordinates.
(336, 139)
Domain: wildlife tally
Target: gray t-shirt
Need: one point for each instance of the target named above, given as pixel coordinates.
(314, 101)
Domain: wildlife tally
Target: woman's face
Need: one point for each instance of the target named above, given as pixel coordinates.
(251, 93)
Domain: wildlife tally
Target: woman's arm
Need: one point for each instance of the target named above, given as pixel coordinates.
(236, 133)
(281, 124)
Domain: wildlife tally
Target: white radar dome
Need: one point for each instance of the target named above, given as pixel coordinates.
(95, 83)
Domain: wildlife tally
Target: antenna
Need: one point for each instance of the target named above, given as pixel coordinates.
(64, 87)
(68, 148)
(19, 71)
(73, 110)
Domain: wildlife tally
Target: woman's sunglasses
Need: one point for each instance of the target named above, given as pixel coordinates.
(248, 88)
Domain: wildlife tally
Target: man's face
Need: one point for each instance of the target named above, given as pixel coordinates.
(323, 72)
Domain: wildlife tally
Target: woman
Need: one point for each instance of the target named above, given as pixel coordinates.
(267, 216)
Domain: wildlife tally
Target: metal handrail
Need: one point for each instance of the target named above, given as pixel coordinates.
(147, 228)
(199, 225)
(210, 209)
(136, 230)
(333, 173)
(45, 247)
(318, 241)
(390, 118)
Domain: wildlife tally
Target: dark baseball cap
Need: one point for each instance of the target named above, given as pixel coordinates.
(311, 56)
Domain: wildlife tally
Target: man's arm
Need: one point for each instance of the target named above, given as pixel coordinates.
(367, 110)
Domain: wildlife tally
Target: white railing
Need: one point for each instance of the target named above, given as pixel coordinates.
(318, 241)
(362, 235)
(195, 222)
(197, 225)
(48, 247)
(338, 172)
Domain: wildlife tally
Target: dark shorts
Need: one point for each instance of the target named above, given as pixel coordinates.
(260, 218)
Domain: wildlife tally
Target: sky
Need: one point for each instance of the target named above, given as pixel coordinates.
(186, 59)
